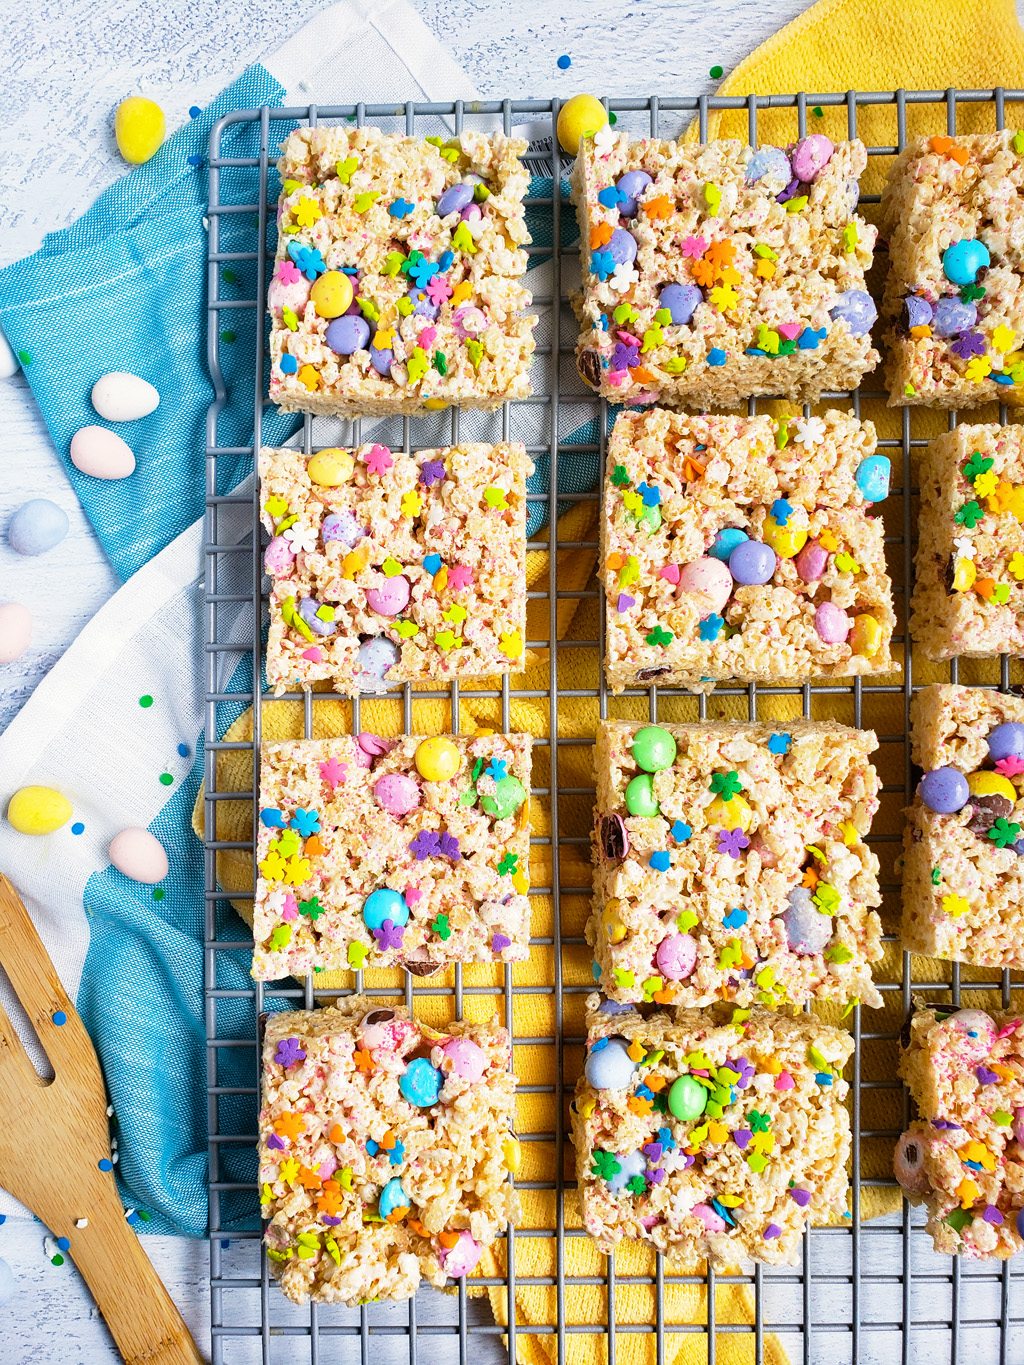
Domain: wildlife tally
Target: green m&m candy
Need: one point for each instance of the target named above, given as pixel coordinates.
(640, 798)
(687, 1098)
(508, 795)
(654, 749)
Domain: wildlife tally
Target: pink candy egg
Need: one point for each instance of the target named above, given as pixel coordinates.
(139, 855)
(460, 1259)
(832, 624)
(676, 956)
(101, 453)
(469, 322)
(709, 576)
(397, 793)
(294, 296)
(472, 213)
(467, 1059)
(712, 1222)
(810, 156)
(278, 557)
(391, 597)
(811, 561)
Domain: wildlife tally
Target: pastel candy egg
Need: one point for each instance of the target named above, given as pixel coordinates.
(964, 573)
(726, 541)
(709, 576)
(8, 1284)
(632, 185)
(139, 855)
(687, 1098)
(123, 397)
(872, 477)
(857, 309)
(462, 1258)
(278, 557)
(9, 363)
(975, 1025)
(908, 1163)
(392, 1198)
(630, 1165)
(712, 1221)
(654, 748)
(422, 305)
(454, 200)
(866, 635)
(610, 1067)
(770, 164)
(384, 904)
(343, 526)
(437, 759)
(101, 453)
(15, 631)
(348, 334)
(466, 1058)
(1006, 741)
(732, 814)
(917, 312)
(512, 1151)
(991, 784)
(390, 597)
(382, 358)
(832, 623)
(621, 247)
(397, 793)
(752, 563)
(615, 930)
(282, 295)
(139, 127)
(640, 798)
(944, 790)
(508, 795)
(811, 561)
(807, 929)
(962, 261)
(578, 116)
(676, 956)
(37, 526)
(811, 155)
(951, 315)
(681, 300)
(472, 213)
(786, 540)
(469, 322)
(332, 294)
(421, 1083)
(382, 1029)
(38, 810)
(309, 610)
(375, 658)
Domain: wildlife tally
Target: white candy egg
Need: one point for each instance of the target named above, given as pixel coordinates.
(102, 453)
(15, 631)
(8, 360)
(122, 397)
(139, 855)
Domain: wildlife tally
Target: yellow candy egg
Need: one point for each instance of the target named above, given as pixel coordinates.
(513, 1154)
(139, 127)
(964, 574)
(331, 467)
(38, 810)
(578, 116)
(332, 294)
(991, 784)
(437, 760)
(734, 814)
(613, 925)
(866, 636)
(787, 541)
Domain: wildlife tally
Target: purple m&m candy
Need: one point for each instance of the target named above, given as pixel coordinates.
(390, 597)
(951, 315)
(348, 334)
(676, 956)
(343, 526)
(811, 155)
(681, 300)
(422, 307)
(832, 623)
(917, 311)
(621, 247)
(308, 609)
(752, 562)
(632, 184)
(454, 200)
(397, 793)
(472, 213)
(1006, 741)
(857, 309)
(944, 790)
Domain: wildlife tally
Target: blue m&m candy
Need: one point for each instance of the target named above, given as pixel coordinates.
(392, 1197)
(421, 1083)
(962, 261)
(385, 904)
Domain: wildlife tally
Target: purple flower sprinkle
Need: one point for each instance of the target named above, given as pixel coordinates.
(426, 844)
(732, 841)
(968, 344)
(985, 1076)
(625, 357)
(389, 935)
(800, 1197)
(992, 1215)
(289, 1051)
(741, 1137)
(448, 847)
(278, 1144)
(771, 1231)
(745, 1069)
(432, 471)
(500, 941)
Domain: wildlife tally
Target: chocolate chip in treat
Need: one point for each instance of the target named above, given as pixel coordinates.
(986, 810)
(378, 1017)
(614, 837)
(949, 577)
(649, 674)
(422, 968)
(589, 366)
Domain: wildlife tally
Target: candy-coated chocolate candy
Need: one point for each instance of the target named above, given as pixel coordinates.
(382, 1030)
(454, 200)
(1006, 741)
(908, 1163)
(726, 541)
(614, 929)
(770, 164)
(421, 1083)
(613, 837)
(786, 538)
(654, 749)
(472, 213)
(38, 810)
(101, 453)
(732, 814)
(397, 793)
(348, 334)
(964, 573)
(713, 1222)
(466, 1058)
(139, 127)
(810, 155)
(332, 467)
(872, 477)
(832, 623)
(977, 1026)
(952, 315)
(611, 1006)
(332, 294)
(962, 261)
(857, 309)
(676, 956)
(640, 798)
(807, 929)
(632, 184)
(462, 1258)
(392, 1197)
(681, 300)
(423, 305)
(621, 247)
(37, 526)
(811, 561)
(709, 576)
(866, 635)
(944, 790)
(630, 1165)
(375, 658)
(384, 904)
(687, 1098)
(309, 610)
(382, 358)
(752, 562)
(578, 116)
(508, 795)
(123, 397)
(343, 526)
(390, 597)
(139, 855)
(293, 294)
(991, 784)
(917, 312)
(610, 1067)
(512, 1151)
(437, 759)
(15, 631)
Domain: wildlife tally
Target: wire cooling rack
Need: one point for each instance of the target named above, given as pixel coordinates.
(870, 1291)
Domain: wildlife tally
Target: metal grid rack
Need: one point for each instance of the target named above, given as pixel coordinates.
(870, 1292)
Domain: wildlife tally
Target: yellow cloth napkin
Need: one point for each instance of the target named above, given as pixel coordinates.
(836, 45)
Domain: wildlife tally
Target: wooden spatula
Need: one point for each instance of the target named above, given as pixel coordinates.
(53, 1136)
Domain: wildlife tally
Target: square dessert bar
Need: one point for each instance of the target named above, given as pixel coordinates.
(963, 867)
(391, 568)
(954, 301)
(406, 852)
(740, 547)
(709, 1138)
(731, 864)
(963, 1157)
(385, 1147)
(398, 279)
(713, 273)
(968, 598)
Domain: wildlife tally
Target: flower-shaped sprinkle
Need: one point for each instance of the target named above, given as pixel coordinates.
(623, 276)
(421, 271)
(448, 847)
(694, 247)
(438, 290)
(431, 472)
(977, 464)
(602, 264)
(297, 871)
(732, 841)
(955, 906)
(427, 844)
(459, 576)
(389, 935)
(1003, 833)
(604, 139)
(779, 744)
(412, 504)
(1016, 565)
(969, 515)
(723, 297)
(301, 538)
(379, 460)
(289, 1052)
(968, 344)
(978, 369)
(272, 867)
(985, 485)
(332, 772)
(808, 430)
(725, 785)
(964, 547)
(307, 211)
(307, 822)
(680, 831)
(288, 272)
(625, 357)
(708, 629)
(497, 768)
(308, 260)
(311, 908)
(1011, 766)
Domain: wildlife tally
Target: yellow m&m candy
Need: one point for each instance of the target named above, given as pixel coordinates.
(139, 127)
(581, 115)
(38, 810)
(991, 784)
(437, 760)
(332, 294)
(329, 468)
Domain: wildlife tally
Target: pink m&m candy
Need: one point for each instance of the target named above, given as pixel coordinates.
(465, 1058)
(712, 1222)
(397, 793)
(460, 1259)
(831, 623)
(390, 597)
(709, 576)
(284, 294)
(676, 956)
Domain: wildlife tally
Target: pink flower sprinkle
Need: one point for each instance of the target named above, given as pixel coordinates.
(427, 337)
(439, 290)
(459, 577)
(789, 330)
(694, 247)
(313, 655)
(1010, 766)
(333, 772)
(288, 272)
(291, 908)
(379, 460)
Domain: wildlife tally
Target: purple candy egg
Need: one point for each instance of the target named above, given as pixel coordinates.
(397, 793)
(308, 609)
(857, 309)
(390, 597)
(811, 561)
(951, 316)
(621, 247)
(632, 184)
(343, 526)
(1006, 741)
(752, 562)
(472, 213)
(770, 164)
(917, 311)
(614, 1007)
(279, 556)
(811, 155)
(454, 200)
(348, 334)
(681, 300)
(382, 359)
(944, 790)
(831, 623)
(421, 304)
(676, 956)
(807, 929)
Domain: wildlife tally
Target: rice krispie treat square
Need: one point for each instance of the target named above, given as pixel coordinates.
(954, 301)
(731, 864)
(408, 852)
(740, 547)
(964, 1156)
(709, 1138)
(398, 280)
(968, 598)
(713, 273)
(963, 866)
(390, 568)
(385, 1147)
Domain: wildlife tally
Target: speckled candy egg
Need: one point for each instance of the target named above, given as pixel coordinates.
(309, 610)
(139, 855)
(37, 526)
(342, 526)
(681, 300)
(917, 312)
(508, 795)
(397, 793)
(631, 1164)
(709, 576)
(622, 247)
(712, 1221)
(962, 261)
(951, 316)
(726, 541)
(454, 200)
(381, 358)
(811, 155)
(295, 295)
(944, 790)
(632, 184)
(422, 305)
(278, 557)
(469, 322)
(977, 1029)
(348, 334)
(421, 1083)
(832, 623)
(437, 759)
(807, 929)
(123, 397)
(769, 165)
(15, 631)
(384, 1031)
(788, 536)
(1006, 741)
(101, 453)
(654, 748)
(462, 1258)
(331, 468)
(38, 810)
(375, 657)
(390, 597)
(811, 561)
(332, 294)
(392, 1197)
(578, 116)
(384, 904)
(752, 563)
(872, 478)
(465, 1058)
(857, 309)
(676, 956)
(609, 1065)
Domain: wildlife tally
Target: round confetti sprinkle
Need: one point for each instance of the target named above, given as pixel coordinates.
(158, 893)
(229, 277)
(144, 1215)
(59, 1019)
(184, 750)
(166, 779)
(716, 72)
(225, 1243)
(564, 63)
(227, 336)
(24, 357)
(78, 827)
(612, 118)
(194, 160)
(64, 1244)
(146, 701)
(57, 1260)
(194, 111)
(818, 112)
(105, 1164)
(3, 1218)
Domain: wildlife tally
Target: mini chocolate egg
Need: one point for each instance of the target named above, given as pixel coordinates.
(462, 1258)
(397, 793)
(812, 561)
(278, 557)
(752, 563)
(786, 538)
(866, 635)
(857, 309)
(807, 929)
(687, 1098)
(622, 247)
(375, 657)
(578, 116)
(37, 526)
(832, 623)
(944, 790)
(632, 184)
(384, 904)
(139, 855)
(332, 294)
(508, 795)
(392, 1198)
(101, 453)
(391, 597)
(908, 1163)
(872, 478)
(348, 334)
(330, 468)
(123, 397)
(676, 956)
(465, 1058)
(609, 1065)
(139, 127)
(15, 631)
(681, 300)
(962, 261)
(454, 199)
(810, 155)
(640, 798)
(421, 1083)
(1006, 741)
(38, 810)
(710, 577)
(725, 542)
(654, 748)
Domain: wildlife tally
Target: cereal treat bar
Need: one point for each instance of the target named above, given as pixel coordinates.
(964, 1157)
(707, 1138)
(398, 281)
(385, 1148)
(954, 300)
(968, 597)
(712, 273)
(963, 867)
(740, 547)
(407, 853)
(390, 568)
(731, 863)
